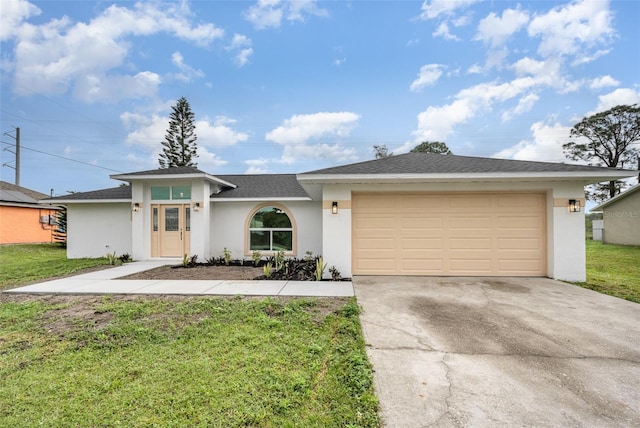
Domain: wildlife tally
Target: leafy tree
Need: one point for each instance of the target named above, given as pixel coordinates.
(432, 147)
(382, 151)
(179, 145)
(606, 139)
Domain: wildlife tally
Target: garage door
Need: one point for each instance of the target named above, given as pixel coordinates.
(455, 234)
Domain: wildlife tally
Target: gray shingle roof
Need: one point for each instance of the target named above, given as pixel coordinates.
(12, 193)
(429, 163)
(114, 193)
(168, 171)
(262, 186)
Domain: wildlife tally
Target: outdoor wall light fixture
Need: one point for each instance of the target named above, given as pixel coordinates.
(334, 207)
(574, 206)
(136, 207)
(196, 206)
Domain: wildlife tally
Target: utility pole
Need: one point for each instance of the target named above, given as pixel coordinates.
(17, 153)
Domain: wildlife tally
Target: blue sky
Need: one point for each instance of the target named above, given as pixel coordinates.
(286, 87)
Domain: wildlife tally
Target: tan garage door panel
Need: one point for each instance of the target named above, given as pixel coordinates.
(449, 234)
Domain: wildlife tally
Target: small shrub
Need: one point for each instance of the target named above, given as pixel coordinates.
(256, 256)
(320, 267)
(112, 258)
(185, 260)
(125, 258)
(279, 259)
(335, 273)
(266, 269)
(308, 256)
(226, 254)
(211, 261)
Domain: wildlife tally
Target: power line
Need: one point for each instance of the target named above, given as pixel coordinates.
(62, 157)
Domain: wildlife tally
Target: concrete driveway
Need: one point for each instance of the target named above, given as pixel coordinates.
(451, 352)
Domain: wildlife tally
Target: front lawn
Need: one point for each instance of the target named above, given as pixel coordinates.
(613, 270)
(27, 263)
(183, 361)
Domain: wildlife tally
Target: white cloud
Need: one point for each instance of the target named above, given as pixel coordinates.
(113, 88)
(495, 30)
(429, 75)
(436, 123)
(525, 104)
(241, 44)
(298, 8)
(148, 131)
(443, 31)
(239, 41)
(603, 82)
(14, 12)
(219, 133)
(546, 145)
(573, 28)
(336, 152)
(208, 161)
(295, 133)
(54, 56)
(621, 96)
(257, 166)
(269, 13)
(187, 73)
(301, 128)
(435, 8)
(475, 69)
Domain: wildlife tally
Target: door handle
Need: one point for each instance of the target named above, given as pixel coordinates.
(181, 234)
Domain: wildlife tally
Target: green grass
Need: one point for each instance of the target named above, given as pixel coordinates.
(24, 264)
(215, 362)
(613, 270)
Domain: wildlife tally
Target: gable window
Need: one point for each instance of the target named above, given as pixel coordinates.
(270, 229)
(166, 193)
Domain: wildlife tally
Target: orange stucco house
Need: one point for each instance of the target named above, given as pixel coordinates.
(22, 219)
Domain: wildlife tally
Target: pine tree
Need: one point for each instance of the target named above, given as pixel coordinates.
(179, 145)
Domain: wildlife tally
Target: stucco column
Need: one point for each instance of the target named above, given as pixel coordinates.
(139, 228)
(200, 224)
(336, 229)
(566, 246)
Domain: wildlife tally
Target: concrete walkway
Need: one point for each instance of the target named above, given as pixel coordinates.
(105, 282)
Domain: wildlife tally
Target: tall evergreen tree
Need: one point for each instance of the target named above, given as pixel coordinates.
(179, 145)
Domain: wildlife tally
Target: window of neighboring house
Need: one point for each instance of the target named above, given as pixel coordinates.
(166, 193)
(270, 229)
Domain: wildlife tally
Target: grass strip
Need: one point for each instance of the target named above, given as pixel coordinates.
(27, 263)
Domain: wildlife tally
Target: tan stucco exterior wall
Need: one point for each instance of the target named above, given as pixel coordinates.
(622, 221)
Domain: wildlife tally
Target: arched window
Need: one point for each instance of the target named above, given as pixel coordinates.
(270, 229)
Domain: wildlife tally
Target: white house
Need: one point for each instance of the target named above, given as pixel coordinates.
(411, 214)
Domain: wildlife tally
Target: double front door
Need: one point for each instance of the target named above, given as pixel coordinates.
(171, 231)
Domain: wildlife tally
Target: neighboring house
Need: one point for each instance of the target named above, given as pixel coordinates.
(411, 214)
(621, 218)
(22, 219)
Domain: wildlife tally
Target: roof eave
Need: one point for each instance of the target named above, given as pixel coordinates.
(583, 176)
(616, 198)
(87, 201)
(208, 177)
